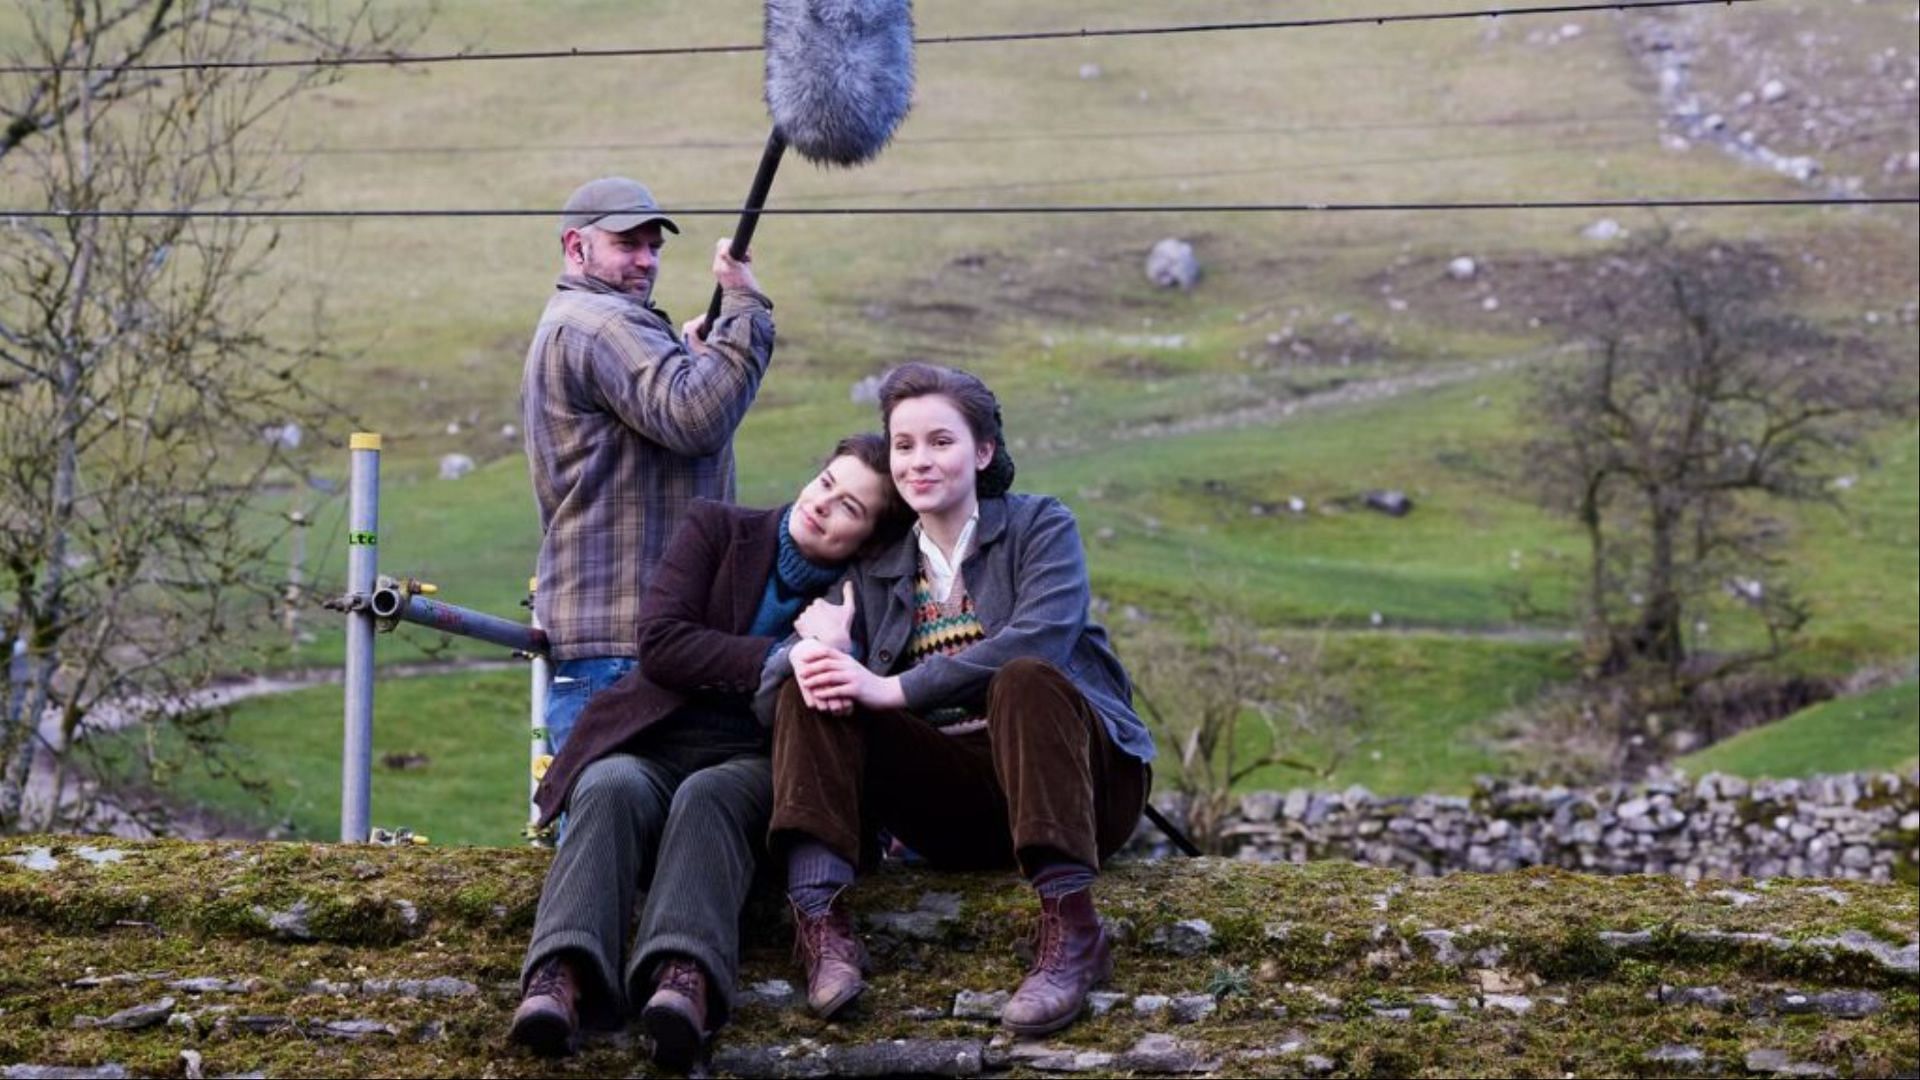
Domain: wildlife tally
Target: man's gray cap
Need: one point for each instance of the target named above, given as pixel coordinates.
(615, 204)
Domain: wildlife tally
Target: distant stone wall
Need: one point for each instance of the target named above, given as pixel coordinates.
(1860, 827)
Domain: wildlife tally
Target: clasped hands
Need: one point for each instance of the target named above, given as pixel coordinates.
(830, 679)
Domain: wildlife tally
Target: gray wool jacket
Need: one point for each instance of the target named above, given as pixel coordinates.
(1027, 575)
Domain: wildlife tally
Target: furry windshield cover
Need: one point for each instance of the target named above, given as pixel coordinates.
(839, 75)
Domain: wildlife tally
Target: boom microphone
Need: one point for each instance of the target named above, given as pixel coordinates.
(839, 81)
(839, 75)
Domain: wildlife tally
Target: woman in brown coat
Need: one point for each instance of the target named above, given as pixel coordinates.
(666, 781)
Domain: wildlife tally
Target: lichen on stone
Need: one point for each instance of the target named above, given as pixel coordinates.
(410, 961)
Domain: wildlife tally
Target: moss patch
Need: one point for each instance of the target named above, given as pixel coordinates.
(1331, 959)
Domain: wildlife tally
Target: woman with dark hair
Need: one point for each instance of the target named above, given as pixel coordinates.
(666, 781)
(990, 724)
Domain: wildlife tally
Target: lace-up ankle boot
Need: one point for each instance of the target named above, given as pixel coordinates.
(833, 957)
(1072, 955)
(676, 1015)
(548, 1017)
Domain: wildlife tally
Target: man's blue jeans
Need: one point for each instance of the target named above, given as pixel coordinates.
(575, 681)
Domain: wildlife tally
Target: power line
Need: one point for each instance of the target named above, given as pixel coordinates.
(1009, 210)
(1593, 145)
(1616, 143)
(1336, 20)
(758, 143)
(1586, 146)
(576, 52)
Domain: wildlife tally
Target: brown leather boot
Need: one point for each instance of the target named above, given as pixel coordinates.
(676, 1014)
(834, 959)
(548, 1016)
(1071, 956)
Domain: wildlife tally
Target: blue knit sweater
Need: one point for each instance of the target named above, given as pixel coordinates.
(795, 581)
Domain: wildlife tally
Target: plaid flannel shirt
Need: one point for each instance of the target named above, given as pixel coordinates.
(625, 426)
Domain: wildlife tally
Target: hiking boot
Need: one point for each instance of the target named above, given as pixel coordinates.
(548, 1016)
(834, 959)
(1072, 955)
(676, 1015)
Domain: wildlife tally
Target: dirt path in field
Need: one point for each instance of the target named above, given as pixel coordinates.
(1347, 395)
(112, 716)
(1511, 635)
(140, 813)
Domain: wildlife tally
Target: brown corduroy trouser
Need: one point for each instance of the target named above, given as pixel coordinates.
(1044, 780)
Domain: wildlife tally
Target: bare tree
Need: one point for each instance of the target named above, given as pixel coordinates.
(142, 392)
(1230, 706)
(1698, 407)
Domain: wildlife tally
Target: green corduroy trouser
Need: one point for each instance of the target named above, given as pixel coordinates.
(682, 820)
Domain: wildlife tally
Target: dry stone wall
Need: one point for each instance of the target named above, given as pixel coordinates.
(1858, 827)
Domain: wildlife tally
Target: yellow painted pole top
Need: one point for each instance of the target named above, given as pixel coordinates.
(363, 440)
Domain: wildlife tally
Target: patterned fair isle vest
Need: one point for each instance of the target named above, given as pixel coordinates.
(942, 628)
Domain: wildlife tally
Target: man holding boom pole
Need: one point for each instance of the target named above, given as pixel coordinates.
(627, 422)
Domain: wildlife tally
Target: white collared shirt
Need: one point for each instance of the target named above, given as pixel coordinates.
(940, 570)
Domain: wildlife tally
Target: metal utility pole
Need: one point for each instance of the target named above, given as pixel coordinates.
(363, 550)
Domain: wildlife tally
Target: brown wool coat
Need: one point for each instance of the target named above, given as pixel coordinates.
(693, 640)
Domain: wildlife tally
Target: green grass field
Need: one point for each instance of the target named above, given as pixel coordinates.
(1170, 520)
(1876, 730)
(470, 787)
(1426, 701)
(1175, 424)
(470, 728)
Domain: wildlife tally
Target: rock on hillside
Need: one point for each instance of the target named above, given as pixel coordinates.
(170, 958)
